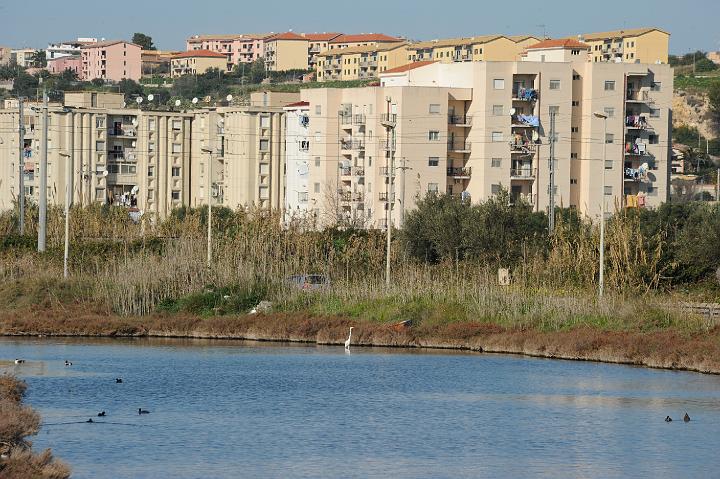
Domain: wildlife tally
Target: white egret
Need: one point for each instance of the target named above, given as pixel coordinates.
(347, 341)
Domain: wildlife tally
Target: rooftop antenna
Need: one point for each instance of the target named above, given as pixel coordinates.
(542, 25)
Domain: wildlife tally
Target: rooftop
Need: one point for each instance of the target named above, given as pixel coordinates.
(297, 104)
(287, 36)
(107, 43)
(321, 37)
(199, 53)
(558, 43)
(365, 37)
(408, 67)
(363, 49)
(630, 32)
(454, 42)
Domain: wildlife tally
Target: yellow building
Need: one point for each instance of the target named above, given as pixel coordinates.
(287, 51)
(638, 45)
(358, 63)
(470, 49)
(361, 40)
(196, 62)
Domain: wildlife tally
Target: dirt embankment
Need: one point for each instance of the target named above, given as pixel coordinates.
(693, 110)
(666, 348)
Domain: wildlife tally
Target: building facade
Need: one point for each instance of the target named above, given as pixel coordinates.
(297, 160)
(196, 62)
(359, 63)
(471, 49)
(111, 61)
(66, 62)
(287, 51)
(23, 57)
(67, 49)
(5, 55)
(638, 45)
(237, 48)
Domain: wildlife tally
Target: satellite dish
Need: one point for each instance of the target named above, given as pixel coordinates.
(151, 97)
(134, 122)
(177, 102)
(194, 101)
(139, 100)
(512, 111)
(105, 173)
(124, 104)
(134, 143)
(229, 98)
(207, 99)
(134, 190)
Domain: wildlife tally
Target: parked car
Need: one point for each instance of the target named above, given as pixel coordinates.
(308, 281)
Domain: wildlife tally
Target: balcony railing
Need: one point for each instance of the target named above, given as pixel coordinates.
(359, 171)
(636, 122)
(358, 119)
(383, 195)
(122, 132)
(388, 119)
(459, 146)
(388, 145)
(460, 120)
(353, 144)
(384, 170)
(345, 171)
(525, 94)
(459, 172)
(639, 96)
(636, 149)
(346, 119)
(524, 172)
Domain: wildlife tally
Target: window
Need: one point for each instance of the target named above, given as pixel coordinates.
(432, 187)
(99, 122)
(151, 146)
(151, 171)
(575, 52)
(302, 196)
(609, 111)
(495, 189)
(554, 84)
(573, 181)
(434, 108)
(554, 109)
(316, 187)
(656, 86)
(573, 156)
(497, 136)
(99, 194)
(176, 171)
(317, 161)
(177, 147)
(264, 145)
(99, 146)
(433, 161)
(574, 129)
(576, 76)
(264, 122)
(113, 168)
(653, 139)
(609, 85)
(608, 164)
(497, 110)
(177, 125)
(654, 112)
(318, 109)
(433, 135)
(151, 124)
(575, 103)
(609, 138)
(496, 163)
(175, 195)
(608, 190)
(499, 84)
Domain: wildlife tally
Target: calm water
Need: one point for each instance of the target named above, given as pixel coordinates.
(234, 409)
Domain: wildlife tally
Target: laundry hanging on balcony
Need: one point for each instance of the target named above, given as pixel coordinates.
(636, 121)
(528, 120)
(637, 174)
(635, 148)
(527, 94)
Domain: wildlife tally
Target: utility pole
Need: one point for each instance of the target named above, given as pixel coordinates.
(21, 163)
(717, 186)
(401, 219)
(389, 124)
(551, 212)
(42, 221)
(209, 205)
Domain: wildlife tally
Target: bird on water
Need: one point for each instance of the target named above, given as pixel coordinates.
(686, 418)
(101, 414)
(347, 341)
(668, 419)
(142, 411)
(118, 380)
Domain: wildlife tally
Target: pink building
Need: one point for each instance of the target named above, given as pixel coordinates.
(60, 64)
(238, 48)
(111, 60)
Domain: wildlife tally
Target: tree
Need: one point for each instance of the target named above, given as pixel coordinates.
(129, 87)
(25, 85)
(145, 41)
(257, 71)
(714, 97)
(38, 59)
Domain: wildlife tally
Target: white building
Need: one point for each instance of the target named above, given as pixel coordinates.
(66, 49)
(297, 167)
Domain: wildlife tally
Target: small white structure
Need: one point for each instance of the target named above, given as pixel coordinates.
(297, 147)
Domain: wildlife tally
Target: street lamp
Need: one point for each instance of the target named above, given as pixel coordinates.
(209, 200)
(601, 280)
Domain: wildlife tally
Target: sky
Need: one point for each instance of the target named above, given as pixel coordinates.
(692, 23)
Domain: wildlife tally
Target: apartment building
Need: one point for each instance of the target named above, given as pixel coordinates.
(286, 51)
(23, 57)
(67, 49)
(238, 48)
(359, 63)
(196, 62)
(297, 163)
(470, 49)
(65, 62)
(637, 45)
(499, 135)
(5, 55)
(154, 61)
(111, 60)
(361, 40)
(318, 42)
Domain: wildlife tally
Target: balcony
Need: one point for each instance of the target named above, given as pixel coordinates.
(637, 122)
(314, 49)
(636, 149)
(525, 94)
(358, 119)
(525, 121)
(352, 144)
(638, 96)
(459, 146)
(460, 120)
(388, 120)
(346, 119)
(366, 63)
(345, 171)
(358, 171)
(127, 132)
(459, 172)
(388, 145)
(384, 171)
(383, 196)
(522, 172)
(522, 147)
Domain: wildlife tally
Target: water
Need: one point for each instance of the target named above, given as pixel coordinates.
(223, 409)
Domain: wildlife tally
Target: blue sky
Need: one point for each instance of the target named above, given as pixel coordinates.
(693, 24)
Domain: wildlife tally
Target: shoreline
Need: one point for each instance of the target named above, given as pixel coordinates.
(661, 349)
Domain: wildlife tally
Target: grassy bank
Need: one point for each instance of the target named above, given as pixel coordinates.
(17, 423)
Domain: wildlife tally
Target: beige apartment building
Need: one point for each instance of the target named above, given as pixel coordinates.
(470, 49)
(154, 161)
(286, 51)
(361, 40)
(359, 63)
(637, 45)
(196, 62)
(499, 133)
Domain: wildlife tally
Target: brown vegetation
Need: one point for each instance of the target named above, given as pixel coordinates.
(17, 423)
